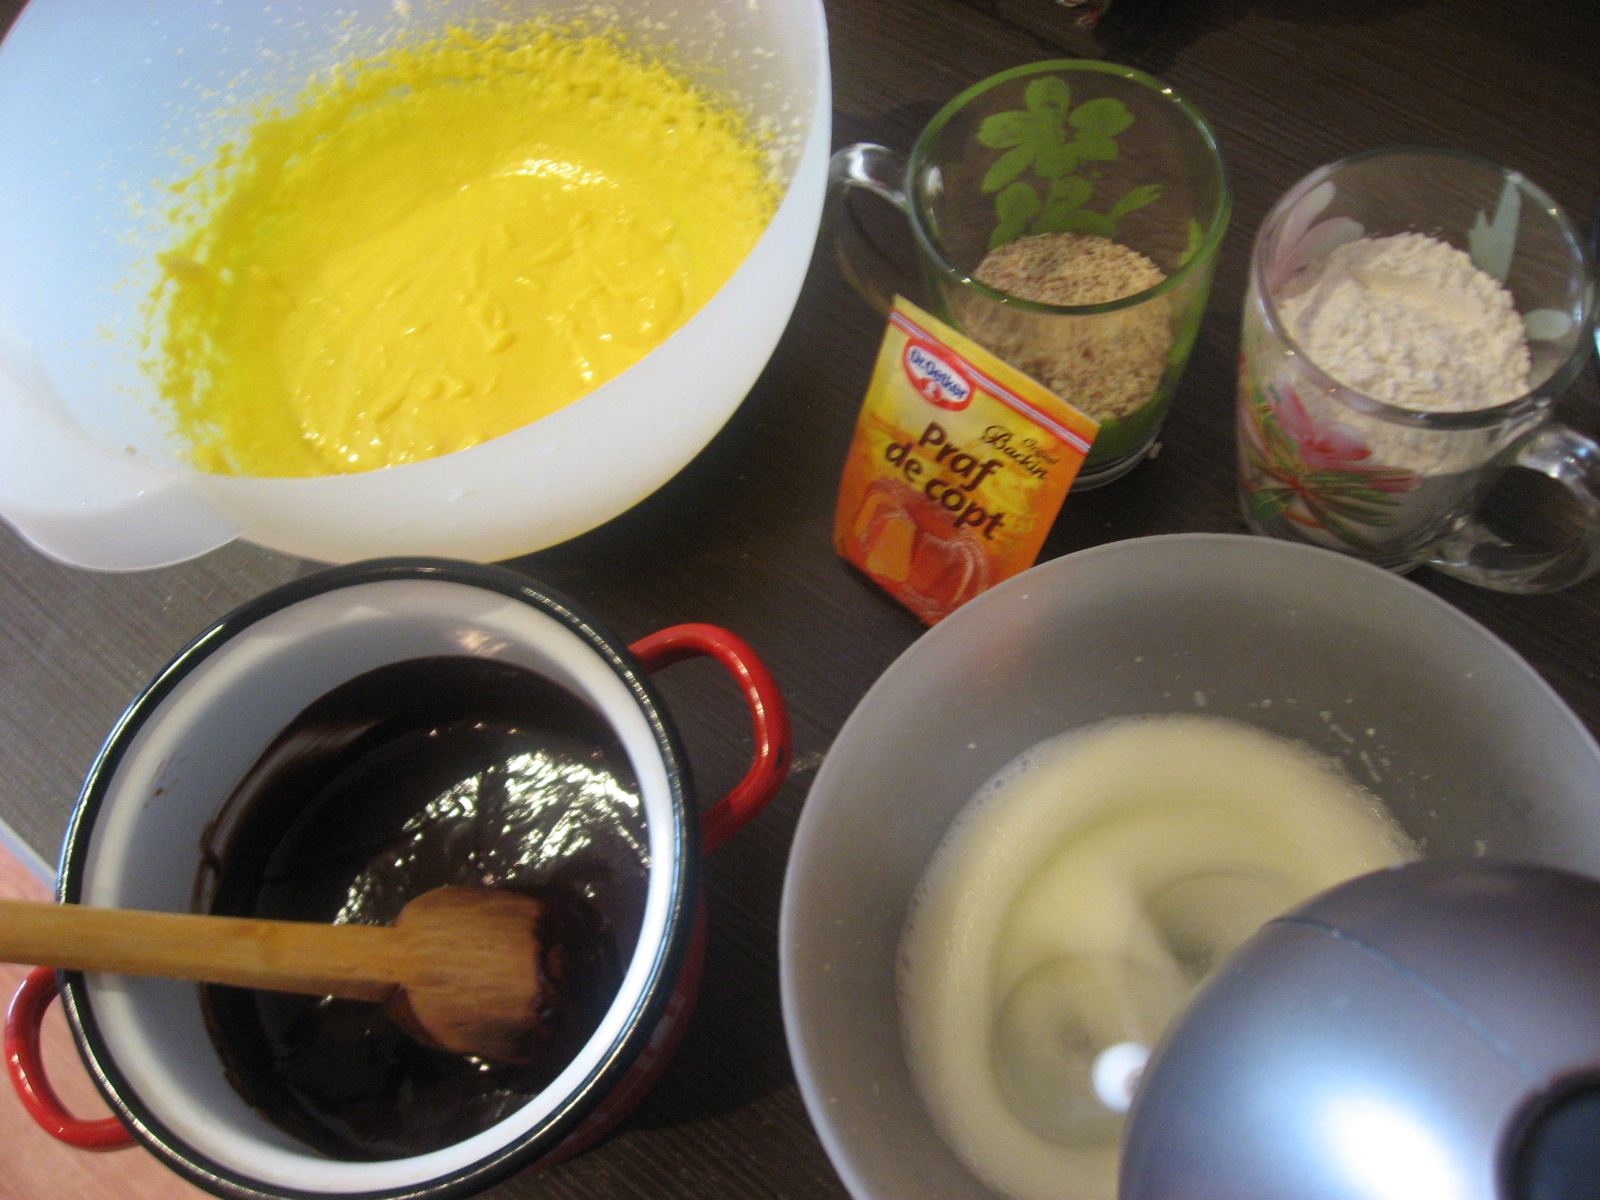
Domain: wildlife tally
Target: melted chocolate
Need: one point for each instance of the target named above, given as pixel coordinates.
(416, 775)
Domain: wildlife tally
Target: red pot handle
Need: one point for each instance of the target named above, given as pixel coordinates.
(773, 741)
(24, 1020)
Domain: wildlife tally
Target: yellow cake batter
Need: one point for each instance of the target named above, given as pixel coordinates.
(445, 244)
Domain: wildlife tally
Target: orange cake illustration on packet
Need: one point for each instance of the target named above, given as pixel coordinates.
(959, 466)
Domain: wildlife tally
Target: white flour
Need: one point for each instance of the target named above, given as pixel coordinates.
(1410, 321)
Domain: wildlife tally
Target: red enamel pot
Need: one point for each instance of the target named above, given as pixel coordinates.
(136, 842)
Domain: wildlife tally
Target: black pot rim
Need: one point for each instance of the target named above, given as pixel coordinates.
(535, 1143)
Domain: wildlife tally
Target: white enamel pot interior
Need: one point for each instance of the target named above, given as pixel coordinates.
(1470, 750)
(101, 105)
(135, 842)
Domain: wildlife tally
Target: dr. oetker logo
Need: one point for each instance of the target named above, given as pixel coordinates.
(938, 379)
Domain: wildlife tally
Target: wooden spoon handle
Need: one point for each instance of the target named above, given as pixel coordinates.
(356, 962)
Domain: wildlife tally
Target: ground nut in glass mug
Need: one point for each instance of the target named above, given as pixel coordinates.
(1066, 146)
(1325, 463)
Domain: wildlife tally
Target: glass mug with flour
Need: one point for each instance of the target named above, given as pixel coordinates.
(1067, 216)
(1412, 317)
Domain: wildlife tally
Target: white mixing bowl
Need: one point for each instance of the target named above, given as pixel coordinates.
(100, 104)
(1472, 752)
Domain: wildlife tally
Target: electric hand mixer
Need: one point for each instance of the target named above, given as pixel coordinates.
(1430, 1032)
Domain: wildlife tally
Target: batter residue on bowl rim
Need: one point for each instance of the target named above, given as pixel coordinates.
(442, 244)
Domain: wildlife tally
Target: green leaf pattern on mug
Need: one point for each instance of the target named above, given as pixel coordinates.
(1098, 122)
(1052, 139)
(1196, 239)
(1017, 204)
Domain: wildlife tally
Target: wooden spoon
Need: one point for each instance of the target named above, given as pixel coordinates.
(462, 968)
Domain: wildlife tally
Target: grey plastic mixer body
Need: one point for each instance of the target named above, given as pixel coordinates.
(1426, 1033)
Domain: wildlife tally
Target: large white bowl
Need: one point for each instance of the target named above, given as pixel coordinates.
(1471, 750)
(100, 103)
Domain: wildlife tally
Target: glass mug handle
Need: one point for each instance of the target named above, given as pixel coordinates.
(874, 272)
(1478, 555)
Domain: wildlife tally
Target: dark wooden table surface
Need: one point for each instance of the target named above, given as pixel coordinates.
(741, 537)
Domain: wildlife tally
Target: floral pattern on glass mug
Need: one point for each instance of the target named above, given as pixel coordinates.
(1317, 474)
(1398, 483)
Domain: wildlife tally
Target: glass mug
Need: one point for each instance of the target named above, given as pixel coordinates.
(1066, 146)
(1323, 462)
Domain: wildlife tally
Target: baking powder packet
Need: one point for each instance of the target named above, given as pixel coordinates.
(959, 466)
